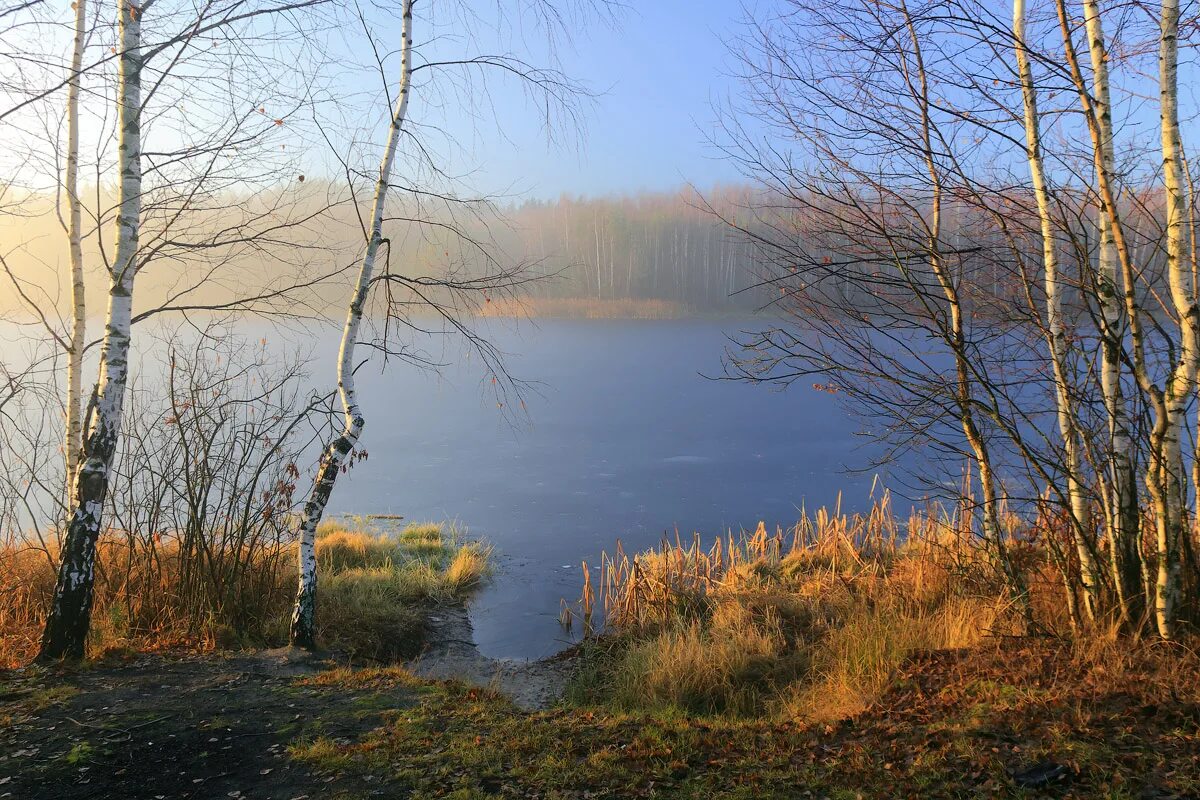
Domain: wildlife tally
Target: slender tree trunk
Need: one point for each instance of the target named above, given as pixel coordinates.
(303, 629)
(1124, 548)
(1125, 556)
(955, 334)
(1181, 384)
(1080, 517)
(1195, 266)
(70, 611)
(73, 442)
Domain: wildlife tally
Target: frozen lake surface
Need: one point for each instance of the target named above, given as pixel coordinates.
(625, 438)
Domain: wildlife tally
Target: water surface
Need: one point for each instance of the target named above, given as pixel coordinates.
(625, 439)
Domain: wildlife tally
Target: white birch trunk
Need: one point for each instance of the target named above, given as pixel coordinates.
(1181, 385)
(73, 440)
(1056, 332)
(1125, 560)
(303, 629)
(70, 611)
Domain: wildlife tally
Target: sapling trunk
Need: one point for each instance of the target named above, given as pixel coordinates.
(1056, 331)
(73, 438)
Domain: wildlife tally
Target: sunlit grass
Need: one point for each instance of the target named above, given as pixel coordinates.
(374, 589)
(810, 623)
(372, 586)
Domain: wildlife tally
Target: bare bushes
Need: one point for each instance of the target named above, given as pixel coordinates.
(201, 492)
(202, 504)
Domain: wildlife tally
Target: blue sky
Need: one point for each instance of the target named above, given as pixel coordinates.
(658, 72)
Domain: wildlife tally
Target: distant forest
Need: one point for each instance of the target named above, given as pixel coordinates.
(666, 246)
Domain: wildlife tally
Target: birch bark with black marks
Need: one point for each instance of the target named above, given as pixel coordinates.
(1164, 471)
(1056, 331)
(303, 628)
(66, 629)
(73, 439)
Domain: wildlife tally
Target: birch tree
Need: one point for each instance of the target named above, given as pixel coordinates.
(1056, 331)
(303, 629)
(450, 295)
(1124, 553)
(73, 440)
(1180, 385)
(1164, 472)
(867, 235)
(213, 194)
(952, 329)
(70, 611)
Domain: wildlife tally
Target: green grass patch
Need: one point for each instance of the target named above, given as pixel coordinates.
(374, 587)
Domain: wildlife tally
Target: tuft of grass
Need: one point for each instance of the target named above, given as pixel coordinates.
(468, 568)
(321, 753)
(341, 549)
(374, 588)
(366, 613)
(808, 624)
(383, 677)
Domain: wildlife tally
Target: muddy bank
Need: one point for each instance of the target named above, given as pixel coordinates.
(450, 653)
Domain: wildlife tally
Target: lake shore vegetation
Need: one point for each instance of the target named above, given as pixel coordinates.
(379, 582)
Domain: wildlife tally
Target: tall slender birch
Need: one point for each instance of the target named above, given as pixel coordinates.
(66, 629)
(1124, 554)
(303, 629)
(1164, 471)
(1181, 383)
(1056, 332)
(73, 440)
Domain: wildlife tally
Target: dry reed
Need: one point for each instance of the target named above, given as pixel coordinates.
(810, 621)
(370, 591)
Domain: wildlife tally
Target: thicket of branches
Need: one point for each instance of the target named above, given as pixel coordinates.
(980, 229)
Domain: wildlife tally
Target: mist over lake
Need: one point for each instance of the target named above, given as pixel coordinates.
(625, 439)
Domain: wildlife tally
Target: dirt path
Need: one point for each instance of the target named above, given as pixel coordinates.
(181, 727)
(219, 726)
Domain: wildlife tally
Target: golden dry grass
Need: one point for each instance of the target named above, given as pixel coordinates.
(807, 623)
(371, 588)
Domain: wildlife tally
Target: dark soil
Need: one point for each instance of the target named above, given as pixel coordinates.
(178, 727)
(1021, 719)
